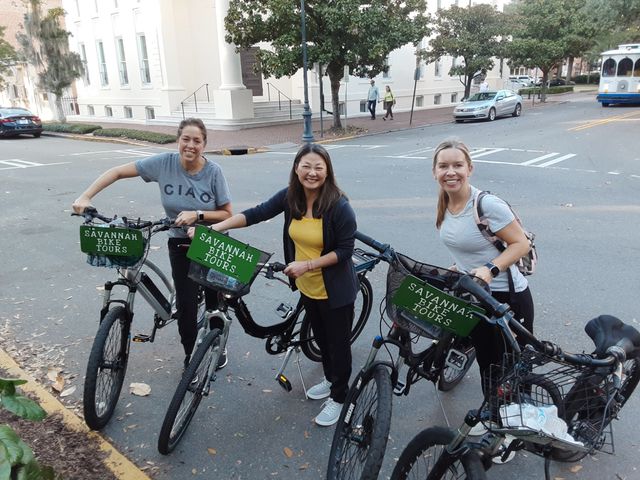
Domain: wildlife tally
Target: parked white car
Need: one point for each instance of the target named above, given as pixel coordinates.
(488, 106)
(525, 80)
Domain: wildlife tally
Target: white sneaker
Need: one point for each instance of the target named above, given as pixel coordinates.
(507, 441)
(329, 414)
(320, 391)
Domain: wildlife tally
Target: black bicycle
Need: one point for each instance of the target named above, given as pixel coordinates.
(362, 430)
(552, 403)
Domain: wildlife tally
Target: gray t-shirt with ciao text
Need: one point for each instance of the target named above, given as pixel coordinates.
(205, 190)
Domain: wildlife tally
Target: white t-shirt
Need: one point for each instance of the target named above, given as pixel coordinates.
(468, 247)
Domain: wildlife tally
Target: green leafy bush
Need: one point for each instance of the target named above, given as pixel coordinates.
(583, 79)
(153, 137)
(81, 128)
(550, 90)
(16, 458)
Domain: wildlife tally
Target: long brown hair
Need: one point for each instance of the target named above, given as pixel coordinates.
(329, 192)
(443, 198)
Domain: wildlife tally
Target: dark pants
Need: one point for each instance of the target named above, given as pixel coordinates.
(332, 331)
(187, 294)
(371, 105)
(487, 339)
(388, 106)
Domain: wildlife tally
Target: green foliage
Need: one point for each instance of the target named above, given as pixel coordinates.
(16, 458)
(339, 33)
(7, 56)
(548, 91)
(584, 79)
(153, 137)
(80, 128)
(473, 34)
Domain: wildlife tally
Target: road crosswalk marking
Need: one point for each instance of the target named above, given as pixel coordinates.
(13, 163)
(556, 160)
(485, 151)
(540, 158)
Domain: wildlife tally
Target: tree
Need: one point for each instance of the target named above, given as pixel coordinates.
(45, 45)
(473, 34)
(340, 33)
(7, 56)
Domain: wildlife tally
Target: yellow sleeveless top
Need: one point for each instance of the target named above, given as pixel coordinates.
(306, 234)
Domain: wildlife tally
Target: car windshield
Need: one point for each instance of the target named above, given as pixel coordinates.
(7, 112)
(482, 96)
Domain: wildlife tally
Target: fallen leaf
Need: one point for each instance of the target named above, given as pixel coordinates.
(194, 471)
(140, 389)
(576, 468)
(288, 452)
(53, 373)
(58, 385)
(212, 451)
(304, 466)
(68, 391)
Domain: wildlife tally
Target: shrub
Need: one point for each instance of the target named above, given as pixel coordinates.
(153, 137)
(594, 78)
(80, 128)
(550, 90)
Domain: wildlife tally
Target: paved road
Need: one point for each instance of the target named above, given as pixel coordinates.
(572, 171)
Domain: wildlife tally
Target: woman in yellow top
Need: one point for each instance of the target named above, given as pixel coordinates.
(318, 237)
(389, 102)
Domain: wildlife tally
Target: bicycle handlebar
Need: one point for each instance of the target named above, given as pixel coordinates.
(385, 250)
(91, 213)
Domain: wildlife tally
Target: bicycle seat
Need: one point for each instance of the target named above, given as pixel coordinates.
(607, 330)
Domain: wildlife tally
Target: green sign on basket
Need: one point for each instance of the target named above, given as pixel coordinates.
(223, 254)
(111, 241)
(431, 305)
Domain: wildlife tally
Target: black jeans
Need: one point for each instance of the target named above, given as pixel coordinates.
(332, 332)
(371, 106)
(187, 293)
(388, 106)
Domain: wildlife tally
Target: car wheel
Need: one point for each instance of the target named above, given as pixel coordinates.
(492, 115)
(518, 110)
(37, 134)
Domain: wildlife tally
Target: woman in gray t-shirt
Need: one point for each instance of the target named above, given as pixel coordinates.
(192, 189)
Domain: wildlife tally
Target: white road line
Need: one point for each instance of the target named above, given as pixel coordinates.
(540, 158)
(137, 153)
(488, 152)
(32, 166)
(16, 162)
(556, 160)
(613, 173)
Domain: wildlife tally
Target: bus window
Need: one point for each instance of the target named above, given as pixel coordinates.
(636, 70)
(625, 67)
(609, 68)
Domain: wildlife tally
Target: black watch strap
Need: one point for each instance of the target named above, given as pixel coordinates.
(493, 268)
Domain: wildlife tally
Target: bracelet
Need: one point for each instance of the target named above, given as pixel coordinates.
(309, 266)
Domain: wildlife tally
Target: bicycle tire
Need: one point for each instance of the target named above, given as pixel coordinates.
(106, 368)
(450, 376)
(311, 349)
(194, 380)
(360, 439)
(427, 446)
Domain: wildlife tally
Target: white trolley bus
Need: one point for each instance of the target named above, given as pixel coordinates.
(620, 75)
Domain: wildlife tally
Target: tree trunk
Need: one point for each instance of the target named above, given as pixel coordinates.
(467, 86)
(569, 69)
(334, 77)
(543, 87)
(58, 111)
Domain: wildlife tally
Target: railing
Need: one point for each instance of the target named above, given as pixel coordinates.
(195, 97)
(269, 86)
(70, 105)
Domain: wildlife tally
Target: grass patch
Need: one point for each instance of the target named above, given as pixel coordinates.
(81, 128)
(153, 137)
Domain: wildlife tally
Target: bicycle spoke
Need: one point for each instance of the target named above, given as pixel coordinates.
(109, 370)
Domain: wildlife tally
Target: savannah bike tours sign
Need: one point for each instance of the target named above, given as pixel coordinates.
(111, 241)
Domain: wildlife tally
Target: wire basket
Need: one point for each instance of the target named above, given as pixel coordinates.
(438, 277)
(216, 280)
(551, 405)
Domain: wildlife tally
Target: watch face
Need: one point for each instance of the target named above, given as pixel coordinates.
(495, 271)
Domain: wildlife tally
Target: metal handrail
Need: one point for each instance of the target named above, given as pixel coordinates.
(279, 94)
(195, 99)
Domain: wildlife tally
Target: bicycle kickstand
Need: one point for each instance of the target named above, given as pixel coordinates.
(281, 377)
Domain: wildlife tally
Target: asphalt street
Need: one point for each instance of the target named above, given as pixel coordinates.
(572, 171)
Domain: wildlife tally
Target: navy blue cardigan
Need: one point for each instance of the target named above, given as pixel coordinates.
(338, 229)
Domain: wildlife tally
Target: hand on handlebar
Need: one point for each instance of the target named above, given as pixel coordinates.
(81, 203)
(296, 269)
(186, 217)
(483, 273)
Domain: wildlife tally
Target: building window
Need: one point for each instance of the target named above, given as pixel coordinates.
(128, 112)
(77, 8)
(363, 106)
(95, 6)
(420, 101)
(453, 62)
(83, 57)
(150, 113)
(437, 99)
(102, 64)
(143, 59)
(108, 111)
(386, 74)
(90, 110)
(437, 68)
(115, 3)
(454, 97)
(122, 62)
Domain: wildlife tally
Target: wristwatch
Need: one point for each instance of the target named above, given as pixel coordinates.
(200, 214)
(495, 271)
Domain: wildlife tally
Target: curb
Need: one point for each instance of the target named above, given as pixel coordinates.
(120, 465)
(90, 138)
(237, 151)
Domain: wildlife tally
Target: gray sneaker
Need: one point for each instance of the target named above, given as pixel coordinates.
(320, 391)
(329, 414)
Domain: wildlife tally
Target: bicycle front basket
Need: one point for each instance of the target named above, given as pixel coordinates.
(441, 278)
(113, 246)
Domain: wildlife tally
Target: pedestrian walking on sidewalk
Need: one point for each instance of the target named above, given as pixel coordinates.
(389, 102)
(373, 97)
(318, 237)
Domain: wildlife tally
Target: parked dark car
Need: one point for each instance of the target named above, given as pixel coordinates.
(15, 121)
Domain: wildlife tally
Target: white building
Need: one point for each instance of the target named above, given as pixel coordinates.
(148, 60)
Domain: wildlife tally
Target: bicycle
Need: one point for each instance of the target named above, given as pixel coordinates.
(555, 404)
(290, 336)
(362, 430)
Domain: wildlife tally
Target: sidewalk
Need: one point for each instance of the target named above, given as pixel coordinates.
(252, 139)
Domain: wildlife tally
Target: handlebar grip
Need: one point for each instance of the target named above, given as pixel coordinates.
(467, 284)
(278, 267)
(367, 240)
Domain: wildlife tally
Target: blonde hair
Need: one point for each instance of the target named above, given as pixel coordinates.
(443, 198)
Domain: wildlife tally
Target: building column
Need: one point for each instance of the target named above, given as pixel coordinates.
(232, 99)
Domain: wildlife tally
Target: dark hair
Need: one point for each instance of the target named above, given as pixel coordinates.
(329, 192)
(443, 198)
(195, 122)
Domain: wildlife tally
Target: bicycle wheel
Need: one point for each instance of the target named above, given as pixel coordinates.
(453, 373)
(362, 310)
(362, 431)
(106, 368)
(421, 454)
(192, 387)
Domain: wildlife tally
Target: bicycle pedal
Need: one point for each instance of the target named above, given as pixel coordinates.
(284, 382)
(456, 359)
(141, 338)
(284, 309)
(399, 388)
